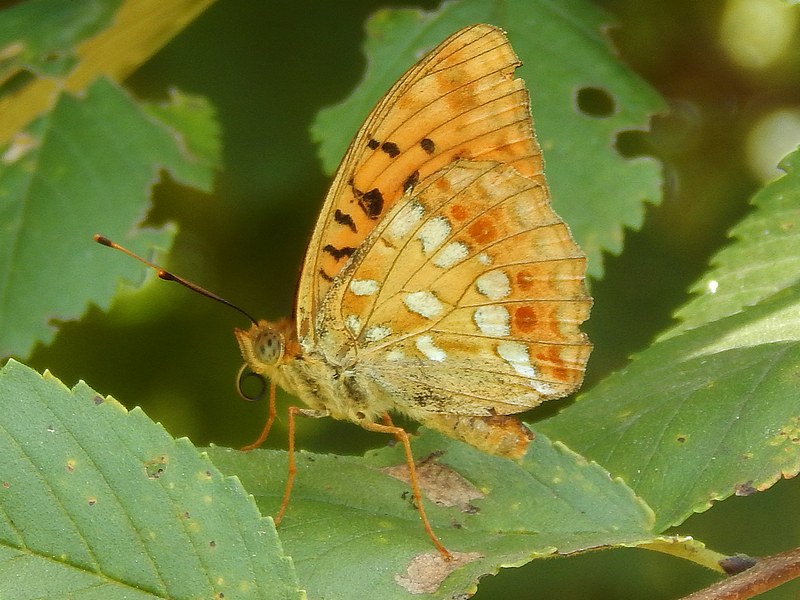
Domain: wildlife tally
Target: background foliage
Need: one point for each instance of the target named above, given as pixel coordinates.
(268, 71)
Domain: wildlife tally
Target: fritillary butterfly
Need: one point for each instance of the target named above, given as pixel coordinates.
(439, 283)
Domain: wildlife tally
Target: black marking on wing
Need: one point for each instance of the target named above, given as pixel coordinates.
(411, 182)
(371, 202)
(343, 218)
(324, 275)
(339, 253)
(390, 148)
(373, 144)
(428, 145)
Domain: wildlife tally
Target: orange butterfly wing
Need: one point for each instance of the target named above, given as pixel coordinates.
(439, 281)
(460, 101)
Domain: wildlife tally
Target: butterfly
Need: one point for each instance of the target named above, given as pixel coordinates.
(438, 283)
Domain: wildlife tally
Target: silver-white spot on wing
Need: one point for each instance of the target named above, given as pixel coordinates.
(364, 287)
(353, 324)
(425, 345)
(516, 355)
(433, 233)
(494, 285)
(423, 303)
(452, 254)
(376, 333)
(395, 355)
(493, 320)
(406, 220)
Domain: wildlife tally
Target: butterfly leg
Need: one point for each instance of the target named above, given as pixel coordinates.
(268, 424)
(402, 436)
(287, 491)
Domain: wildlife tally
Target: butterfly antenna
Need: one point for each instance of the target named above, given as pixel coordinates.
(167, 276)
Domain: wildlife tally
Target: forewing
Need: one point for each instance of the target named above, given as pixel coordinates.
(460, 101)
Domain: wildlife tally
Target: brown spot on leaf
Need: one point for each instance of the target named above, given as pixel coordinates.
(426, 572)
(155, 467)
(439, 483)
(745, 489)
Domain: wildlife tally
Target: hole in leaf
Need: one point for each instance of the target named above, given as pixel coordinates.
(156, 467)
(595, 102)
(16, 82)
(633, 143)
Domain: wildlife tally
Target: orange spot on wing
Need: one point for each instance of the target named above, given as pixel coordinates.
(561, 374)
(458, 89)
(555, 323)
(458, 212)
(525, 319)
(525, 280)
(483, 231)
(552, 361)
(537, 282)
(443, 186)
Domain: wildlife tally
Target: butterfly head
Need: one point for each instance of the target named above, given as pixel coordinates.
(265, 346)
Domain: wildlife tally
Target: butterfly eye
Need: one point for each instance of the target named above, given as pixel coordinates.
(269, 347)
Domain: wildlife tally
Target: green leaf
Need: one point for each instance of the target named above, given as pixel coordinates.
(194, 120)
(710, 411)
(595, 190)
(85, 168)
(764, 259)
(348, 515)
(42, 35)
(96, 502)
